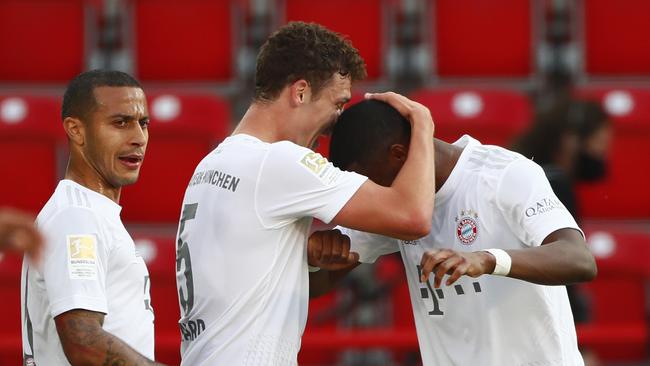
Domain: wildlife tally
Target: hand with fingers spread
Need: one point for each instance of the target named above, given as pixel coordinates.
(455, 264)
(330, 250)
(18, 233)
(415, 112)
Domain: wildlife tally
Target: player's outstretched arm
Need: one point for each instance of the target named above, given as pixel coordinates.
(86, 343)
(562, 259)
(403, 210)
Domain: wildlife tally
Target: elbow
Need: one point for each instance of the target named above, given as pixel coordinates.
(587, 269)
(417, 225)
(590, 269)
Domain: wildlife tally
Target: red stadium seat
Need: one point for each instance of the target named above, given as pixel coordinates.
(159, 254)
(616, 37)
(493, 116)
(623, 193)
(30, 132)
(42, 41)
(481, 38)
(619, 329)
(183, 129)
(360, 20)
(189, 40)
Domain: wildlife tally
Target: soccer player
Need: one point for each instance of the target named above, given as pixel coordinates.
(18, 233)
(241, 248)
(88, 303)
(500, 245)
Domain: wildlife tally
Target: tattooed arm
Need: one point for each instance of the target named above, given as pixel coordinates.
(85, 342)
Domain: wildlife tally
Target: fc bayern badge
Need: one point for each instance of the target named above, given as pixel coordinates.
(467, 228)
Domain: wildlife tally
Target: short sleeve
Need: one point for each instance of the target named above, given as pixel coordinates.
(296, 182)
(370, 246)
(529, 205)
(75, 261)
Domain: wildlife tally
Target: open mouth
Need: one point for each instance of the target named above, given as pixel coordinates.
(132, 160)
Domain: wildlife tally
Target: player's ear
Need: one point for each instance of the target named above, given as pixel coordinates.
(75, 129)
(299, 92)
(397, 153)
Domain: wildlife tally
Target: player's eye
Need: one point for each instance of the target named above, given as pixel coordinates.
(144, 123)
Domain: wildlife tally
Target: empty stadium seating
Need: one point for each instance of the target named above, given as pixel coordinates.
(190, 40)
(493, 116)
(183, 129)
(43, 41)
(619, 329)
(360, 20)
(623, 194)
(30, 133)
(482, 38)
(616, 37)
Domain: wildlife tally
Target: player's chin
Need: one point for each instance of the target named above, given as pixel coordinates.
(128, 179)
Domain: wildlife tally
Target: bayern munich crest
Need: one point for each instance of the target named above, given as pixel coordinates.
(467, 226)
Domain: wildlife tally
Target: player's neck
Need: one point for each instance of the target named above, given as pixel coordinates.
(446, 158)
(267, 122)
(91, 179)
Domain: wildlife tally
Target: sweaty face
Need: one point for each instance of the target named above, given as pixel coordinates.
(116, 135)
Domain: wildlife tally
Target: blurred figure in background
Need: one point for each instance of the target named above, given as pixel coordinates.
(18, 232)
(570, 141)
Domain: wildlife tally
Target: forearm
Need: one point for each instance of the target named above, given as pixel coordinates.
(416, 180)
(557, 263)
(323, 281)
(86, 343)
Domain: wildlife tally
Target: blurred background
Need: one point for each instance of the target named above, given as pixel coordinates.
(566, 83)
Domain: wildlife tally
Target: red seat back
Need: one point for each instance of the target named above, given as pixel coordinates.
(41, 40)
(616, 37)
(482, 38)
(189, 40)
(183, 129)
(10, 333)
(493, 116)
(30, 132)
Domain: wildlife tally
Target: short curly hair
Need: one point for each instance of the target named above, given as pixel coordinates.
(306, 51)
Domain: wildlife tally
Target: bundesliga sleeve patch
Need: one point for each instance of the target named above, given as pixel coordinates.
(82, 257)
(325, 171)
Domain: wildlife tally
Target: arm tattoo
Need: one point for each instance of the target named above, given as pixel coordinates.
(84, 341)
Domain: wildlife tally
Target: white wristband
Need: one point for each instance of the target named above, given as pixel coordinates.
(313, 269)
(503, 261)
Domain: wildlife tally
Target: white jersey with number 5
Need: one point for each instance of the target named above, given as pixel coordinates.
(493, 198)
(91, 263)
(241, 259)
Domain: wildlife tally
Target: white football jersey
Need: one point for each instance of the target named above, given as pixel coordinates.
(241, 260)
(90, 262)
(493, 198)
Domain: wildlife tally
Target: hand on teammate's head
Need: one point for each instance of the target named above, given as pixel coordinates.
(19, 234)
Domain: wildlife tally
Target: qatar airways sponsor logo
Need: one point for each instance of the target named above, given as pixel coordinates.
(543, 206)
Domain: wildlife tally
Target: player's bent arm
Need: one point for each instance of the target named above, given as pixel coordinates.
(562, 259)
(405, 209)
(85, 342)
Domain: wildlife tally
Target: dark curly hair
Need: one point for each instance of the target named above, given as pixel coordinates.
(304, 51)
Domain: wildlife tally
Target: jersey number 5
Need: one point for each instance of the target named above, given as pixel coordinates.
(184, 263)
